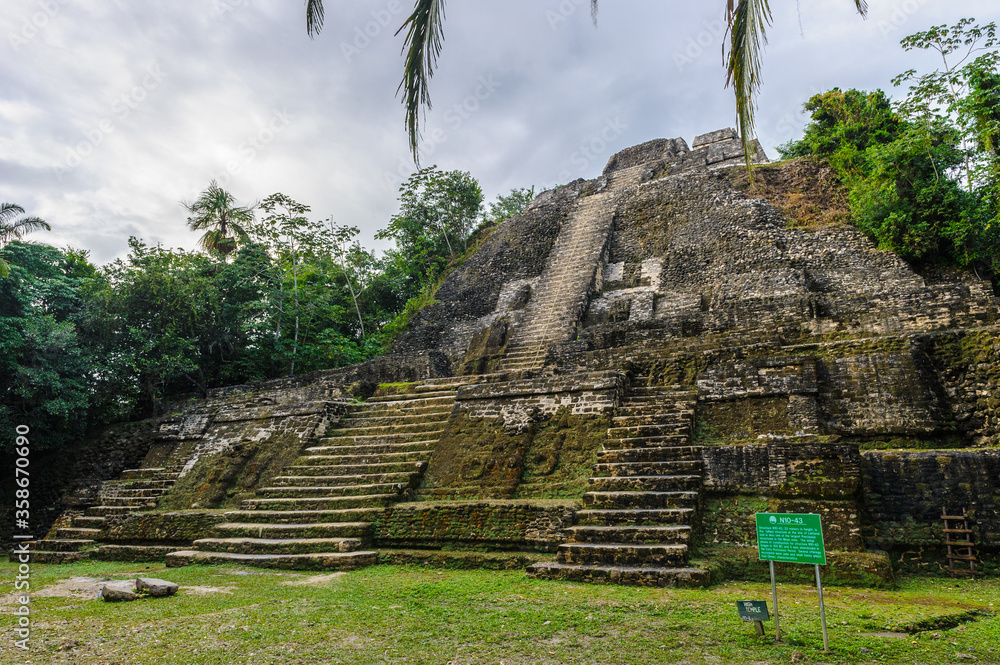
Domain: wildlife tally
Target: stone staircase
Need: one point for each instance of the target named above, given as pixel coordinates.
(563, 289)
(317, 516)
(637, 521)
(135, 491)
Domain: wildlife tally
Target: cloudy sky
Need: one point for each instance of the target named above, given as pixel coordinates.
(113, 112)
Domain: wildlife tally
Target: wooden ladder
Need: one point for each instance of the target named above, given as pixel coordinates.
(958, 538)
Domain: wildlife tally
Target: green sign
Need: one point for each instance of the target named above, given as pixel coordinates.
(752, 610)
(790, 537)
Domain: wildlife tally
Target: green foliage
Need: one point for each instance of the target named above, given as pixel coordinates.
(224, 222)
(923, 175)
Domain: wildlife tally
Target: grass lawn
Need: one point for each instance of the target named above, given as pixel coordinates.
(393, 614)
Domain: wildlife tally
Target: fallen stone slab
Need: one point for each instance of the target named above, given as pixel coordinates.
(155, 587)
(113, 592)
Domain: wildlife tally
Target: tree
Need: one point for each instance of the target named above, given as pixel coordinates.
(215, 211)
(747, 23)
(964, 92)
(437, 211)
(12, 228)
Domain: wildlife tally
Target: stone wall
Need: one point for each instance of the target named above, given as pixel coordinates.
(513, 525)
(905, 493)
(796, 475)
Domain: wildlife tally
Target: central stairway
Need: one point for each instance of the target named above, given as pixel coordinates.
(318, 514)
(564, 286)
(637, 521)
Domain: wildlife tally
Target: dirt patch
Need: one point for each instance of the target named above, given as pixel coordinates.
(314, 580)
(808, 191)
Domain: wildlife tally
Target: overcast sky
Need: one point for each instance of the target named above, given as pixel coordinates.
(112, 112)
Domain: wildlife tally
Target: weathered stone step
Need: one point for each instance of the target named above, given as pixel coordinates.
(665, 454)
(102, 511)
(134, 553)
(656, 418)
(47, 556)
(73, 533)
(356, 469)
(319, 491)
(426, 428)
(320, 503)
(344, 460)
(150, 474)
(643, 534)
(277, 546)
(630, 575)
(644, 483)
(663, 392)
(146, 484)
(137, 493)
(407, 406)
(662, 429)
(675, 467)
(659, 441)
(622, 554)
(88, 522)
(304, 530)
(403, 397)
(640, 499)
(319, 561)
(372, 449)
(393, 417)
(59, 544)
(128, 502)
(300, 517)
(404, 437)
(635, 516)
(333, 481)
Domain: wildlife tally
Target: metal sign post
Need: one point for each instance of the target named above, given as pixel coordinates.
(774, 597)
(822, 610)
(792, 538)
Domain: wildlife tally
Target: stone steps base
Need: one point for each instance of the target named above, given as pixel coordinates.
(318, 561)
(627, 575)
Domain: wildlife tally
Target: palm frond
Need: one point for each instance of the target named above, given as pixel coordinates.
(314, 17)
(748, 22)
(593, 11)
(422, 47)
(9, 210)
(862, 6)
(23, 226)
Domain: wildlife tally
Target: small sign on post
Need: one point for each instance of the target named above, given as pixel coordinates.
(753, 610)
(792, 538)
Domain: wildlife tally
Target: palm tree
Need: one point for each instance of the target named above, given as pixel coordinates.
(747, 22)
(215, 212)
(12, 228)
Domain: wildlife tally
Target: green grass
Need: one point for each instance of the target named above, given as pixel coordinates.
(390, 614)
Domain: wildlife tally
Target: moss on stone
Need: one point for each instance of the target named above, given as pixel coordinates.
(225, 479)
(745, 419)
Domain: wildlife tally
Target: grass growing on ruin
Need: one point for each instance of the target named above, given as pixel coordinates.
(390, 614)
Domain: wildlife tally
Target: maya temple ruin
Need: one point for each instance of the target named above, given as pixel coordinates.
(608, 390)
